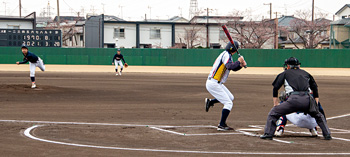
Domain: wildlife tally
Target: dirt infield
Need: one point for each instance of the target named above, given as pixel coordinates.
(153, 114)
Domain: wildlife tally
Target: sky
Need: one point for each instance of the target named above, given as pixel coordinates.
(135, 10)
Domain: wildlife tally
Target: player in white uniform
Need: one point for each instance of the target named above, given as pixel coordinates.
(216, 79)
(34, 61)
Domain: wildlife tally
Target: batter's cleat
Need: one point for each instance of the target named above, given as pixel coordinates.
(313, 132)
(207, 104)
(224, 128)
(279, 131)
(328, 137)
(33, 85)
(266, 137)
(116, 74)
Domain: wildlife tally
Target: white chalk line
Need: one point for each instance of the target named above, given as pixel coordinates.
(184, 134)
(28, 131)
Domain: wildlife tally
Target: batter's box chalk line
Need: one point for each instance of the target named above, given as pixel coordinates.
(165, 129)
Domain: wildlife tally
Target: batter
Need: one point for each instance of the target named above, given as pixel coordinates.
(216, 79)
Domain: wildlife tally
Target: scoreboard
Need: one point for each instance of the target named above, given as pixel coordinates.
(30, 37)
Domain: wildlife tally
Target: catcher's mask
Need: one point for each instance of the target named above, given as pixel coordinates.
(292, 62)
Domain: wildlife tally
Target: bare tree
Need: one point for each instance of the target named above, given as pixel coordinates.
(251, 34)
(309, 33)
(192, 36)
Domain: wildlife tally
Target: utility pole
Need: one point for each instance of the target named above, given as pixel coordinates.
(276, 31)
(150, 12)
(5, 7)
(270, 9)
(208, 45)
(20, 8)
(313, 10)
(58, 13)
(103, 8)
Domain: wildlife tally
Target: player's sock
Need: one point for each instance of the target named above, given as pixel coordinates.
(121, 69)
(214, 101)
(116, 70)
(32, 78)
(225, 113)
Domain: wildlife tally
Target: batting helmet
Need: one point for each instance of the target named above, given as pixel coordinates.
(232, 48)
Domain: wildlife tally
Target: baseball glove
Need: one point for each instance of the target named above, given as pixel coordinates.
(282, 96)
(126, 65)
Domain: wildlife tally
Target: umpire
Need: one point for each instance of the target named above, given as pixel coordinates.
(297, 84)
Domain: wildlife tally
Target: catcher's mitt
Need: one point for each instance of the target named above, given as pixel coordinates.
(282, 96)
(126, 65)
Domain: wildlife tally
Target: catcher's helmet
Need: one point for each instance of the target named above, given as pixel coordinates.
(232, 48)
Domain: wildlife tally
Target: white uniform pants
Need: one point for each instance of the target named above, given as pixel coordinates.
(39, 64)
(116, 63)
(302, 120)
(221, 93)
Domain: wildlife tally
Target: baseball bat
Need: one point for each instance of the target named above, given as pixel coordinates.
(224, 27)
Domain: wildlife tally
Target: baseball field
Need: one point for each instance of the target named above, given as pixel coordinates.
(156, 111)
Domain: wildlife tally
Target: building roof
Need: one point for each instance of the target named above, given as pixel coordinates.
(341, 9)
(286, 20)
(112, 18)
(215, 19)
(69, 18)
(173, 19)
(343, 21)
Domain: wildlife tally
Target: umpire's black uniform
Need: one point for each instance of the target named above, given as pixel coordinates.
(297, 84)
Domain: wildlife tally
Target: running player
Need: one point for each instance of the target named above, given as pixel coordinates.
(34, 61)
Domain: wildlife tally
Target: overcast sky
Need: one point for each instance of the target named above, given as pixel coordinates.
(164, 9)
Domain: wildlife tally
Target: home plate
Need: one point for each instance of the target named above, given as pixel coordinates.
(249, 129)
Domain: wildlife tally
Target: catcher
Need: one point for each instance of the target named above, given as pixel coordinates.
(299, 119)
(117, 60)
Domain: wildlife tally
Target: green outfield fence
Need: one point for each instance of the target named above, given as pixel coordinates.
(331, 58)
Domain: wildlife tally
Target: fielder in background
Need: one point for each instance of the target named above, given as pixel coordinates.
(297, 83)
(34, 61)
(217, 77)
(117, 60)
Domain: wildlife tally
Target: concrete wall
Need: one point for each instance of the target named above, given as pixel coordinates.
(129, 41)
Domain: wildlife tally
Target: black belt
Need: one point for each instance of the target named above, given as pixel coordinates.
(299, 93)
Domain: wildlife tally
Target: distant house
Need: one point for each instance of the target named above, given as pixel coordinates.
(340, 29)
(344, 12)
(340, 34)
(15, 22)
(290, 40)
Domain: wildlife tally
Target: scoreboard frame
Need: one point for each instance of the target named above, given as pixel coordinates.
(30, 38)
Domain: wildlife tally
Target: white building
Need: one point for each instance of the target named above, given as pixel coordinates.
(11, 22)
(343, 12)
(175, 32)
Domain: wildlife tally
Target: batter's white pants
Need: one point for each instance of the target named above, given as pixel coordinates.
(221, 93)
(116, 63)
(39, 64)
(302, 120)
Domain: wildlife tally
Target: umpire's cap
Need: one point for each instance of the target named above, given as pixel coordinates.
(24, 47)
(292, 61)
(232, 48)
